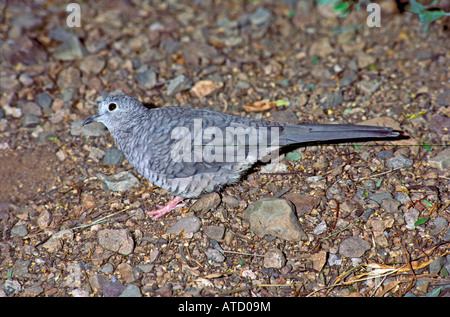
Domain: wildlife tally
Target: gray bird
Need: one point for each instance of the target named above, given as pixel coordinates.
(191, 152)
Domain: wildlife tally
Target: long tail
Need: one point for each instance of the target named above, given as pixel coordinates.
(326, 132)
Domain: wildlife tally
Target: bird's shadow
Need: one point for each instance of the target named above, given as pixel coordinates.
(150, 105)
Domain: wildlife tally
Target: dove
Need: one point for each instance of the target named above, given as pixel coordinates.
(192, 152)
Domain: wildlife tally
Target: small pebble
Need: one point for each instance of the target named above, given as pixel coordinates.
(187, 225)
(378, 197)
(126, 272)
(92, 65)
(44, 100)
(120, 182)
(390, 205)
(320, 228)
(353, 247)
(108, 268)
(230, 201)
(411, 217)
(15, 112)
(26, 80)
(12, 287)
(369, 184)
(9, 84)
(319, 259)
(214, 232)
(385, 154)
(147, 79)
(447, 235)
(215, 255)
(44, 219)
(206, 203)
(170, 47)
(116, 240)
(402, 197)
(31, 107)
(248, 274)
(32, 291)
(113, 156)
(146, 268)
(331, 100)
(53, 245)
(176, 85)
(70, 50)
(132, 290)
(61, 155)
(112, 288)
(436, 266)
(260, 16)
(21, 268)
(441, 160)
(274, 258)
(399, 161)
(440, 224)
(69, 77)
(19, 230)
(368, 87)
(444, 98)
(30, 121)
(80, 292)
(275, 217)
(334, 259)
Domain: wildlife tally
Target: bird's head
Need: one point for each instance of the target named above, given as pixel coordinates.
(116, 111)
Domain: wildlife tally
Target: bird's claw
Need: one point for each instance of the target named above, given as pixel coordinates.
(162, 210)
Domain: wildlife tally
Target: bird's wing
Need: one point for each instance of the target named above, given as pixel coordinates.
(207, 142)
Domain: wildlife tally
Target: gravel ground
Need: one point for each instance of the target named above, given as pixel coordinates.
(366, 219)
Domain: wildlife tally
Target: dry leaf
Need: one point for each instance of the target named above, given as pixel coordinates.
(259, 106)
(319, 259)
(386, 288)
(217, 275)
(380, 269)
(204, 282)
(205, 87)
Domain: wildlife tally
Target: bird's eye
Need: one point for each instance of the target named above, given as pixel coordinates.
(112, 106)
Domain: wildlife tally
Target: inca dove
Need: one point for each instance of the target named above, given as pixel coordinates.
(191, 152)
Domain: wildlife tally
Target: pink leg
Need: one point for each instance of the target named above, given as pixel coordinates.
(162, 210)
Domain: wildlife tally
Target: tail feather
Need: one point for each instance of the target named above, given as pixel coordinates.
(293, 134)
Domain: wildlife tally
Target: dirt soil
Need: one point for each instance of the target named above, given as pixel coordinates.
(288, 62)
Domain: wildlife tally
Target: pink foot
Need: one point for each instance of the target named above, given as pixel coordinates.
(162, 210)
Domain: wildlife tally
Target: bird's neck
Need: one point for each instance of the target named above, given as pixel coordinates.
(128, 132)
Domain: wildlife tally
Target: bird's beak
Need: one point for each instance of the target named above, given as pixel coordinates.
(91, 119)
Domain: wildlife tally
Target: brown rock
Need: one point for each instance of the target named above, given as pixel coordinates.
(69, 78)
(126, 272)
(304, 203)
(44, 219)
(206, 203)
(215, 232)
(92, 65)
(117, 240)
(274, 258)
(276, 217)
(319, 259)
